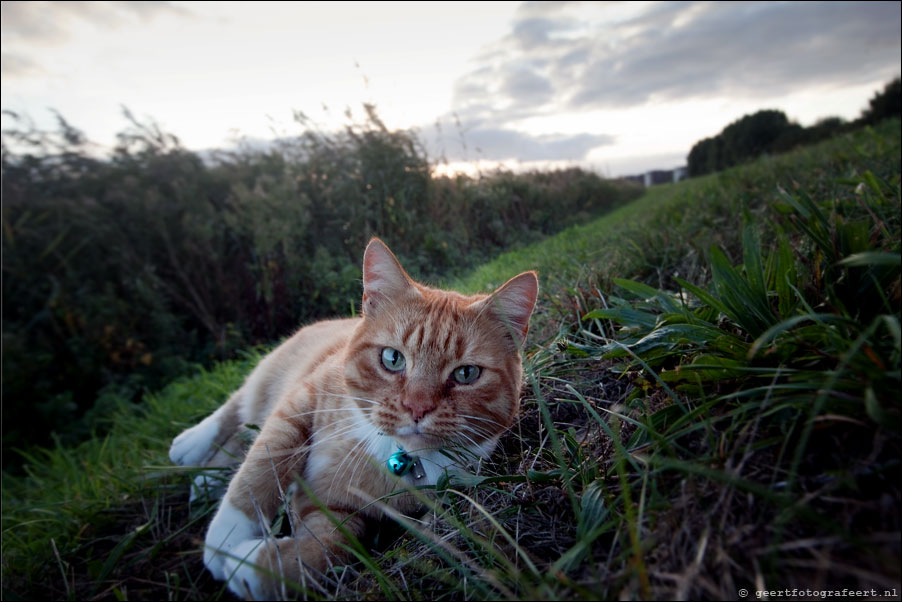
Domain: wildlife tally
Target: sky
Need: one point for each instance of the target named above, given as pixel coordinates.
(615, 87)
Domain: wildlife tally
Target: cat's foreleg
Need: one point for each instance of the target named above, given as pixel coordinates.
(217, 443)
(195, 445)
(255, 494)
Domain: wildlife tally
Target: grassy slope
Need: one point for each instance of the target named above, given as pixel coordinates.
(671, 222)
(695, 520)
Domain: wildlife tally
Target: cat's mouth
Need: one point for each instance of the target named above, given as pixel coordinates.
(413, 437)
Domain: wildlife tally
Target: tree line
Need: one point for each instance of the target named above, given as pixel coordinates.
(770, 131)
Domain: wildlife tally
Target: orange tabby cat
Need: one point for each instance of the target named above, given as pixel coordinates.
(353, 408)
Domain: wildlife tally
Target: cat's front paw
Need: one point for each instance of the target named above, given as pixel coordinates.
(228, 530)
(195, 445)
(240, 568)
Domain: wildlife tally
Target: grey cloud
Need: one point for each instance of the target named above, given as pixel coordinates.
(473, 88)
(679, 50)
(527, 87)
(532, 32)
(751, 49)
(49, 22)
(29, 24)
(542, 8)
(506, 144)
(522, 91)
(13, 65)
(574, 58)
(27, 21)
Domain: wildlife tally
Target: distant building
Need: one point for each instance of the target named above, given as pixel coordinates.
(660, 176)
(640, 179)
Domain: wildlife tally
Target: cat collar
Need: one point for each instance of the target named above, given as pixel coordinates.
(400, 463)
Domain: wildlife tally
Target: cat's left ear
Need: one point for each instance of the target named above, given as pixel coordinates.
(384, 280)
(514, 302)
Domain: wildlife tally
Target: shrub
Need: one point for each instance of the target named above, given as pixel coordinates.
(124, 271)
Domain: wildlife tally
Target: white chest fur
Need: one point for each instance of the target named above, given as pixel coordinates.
(341, 455)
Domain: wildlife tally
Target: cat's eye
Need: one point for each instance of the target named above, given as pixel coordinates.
(393, 359)
(465, 374)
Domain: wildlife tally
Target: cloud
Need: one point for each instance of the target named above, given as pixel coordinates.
(49, 23)
(13, 65)
(752, 49)
(23, 21)
(531, 33)
(526, 86)
(27, 26)
(501, 144)
(581, 56)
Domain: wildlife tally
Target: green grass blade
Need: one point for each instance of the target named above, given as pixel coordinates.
(872, 258)
(773, 332)
(751, 253)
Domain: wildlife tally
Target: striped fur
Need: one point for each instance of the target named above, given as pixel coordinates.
(332, 413)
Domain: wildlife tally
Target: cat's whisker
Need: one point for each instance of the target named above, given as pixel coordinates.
(319, 411)
(360, 443)
(482, 433)
(365, 456)
(481, 419)
(343, 396)
(477, 427)
(364, 443)
(468, 438)
(476, 430)
(310, 439)
(336, 433)
(304, 447)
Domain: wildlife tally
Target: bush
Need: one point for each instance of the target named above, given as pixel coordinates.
(885, 104)
(124, 271)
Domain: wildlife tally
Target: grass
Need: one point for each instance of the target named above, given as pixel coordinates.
(86, 514)
(712, 405)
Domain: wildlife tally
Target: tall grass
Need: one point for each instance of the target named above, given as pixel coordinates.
(113, 501)
(120, 274)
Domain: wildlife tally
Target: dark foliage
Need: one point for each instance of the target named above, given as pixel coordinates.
(885, 104)
(770, 131)
(119, 273)
(745, 139)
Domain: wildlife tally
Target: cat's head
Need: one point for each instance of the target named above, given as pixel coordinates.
(437, 368)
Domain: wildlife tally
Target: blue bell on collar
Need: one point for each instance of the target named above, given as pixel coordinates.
(400, 463)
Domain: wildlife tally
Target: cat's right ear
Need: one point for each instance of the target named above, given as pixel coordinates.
(384, 280)
(514, 302)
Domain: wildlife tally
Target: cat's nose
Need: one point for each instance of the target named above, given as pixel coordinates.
(419, 403)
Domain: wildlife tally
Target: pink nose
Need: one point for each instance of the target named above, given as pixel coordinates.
(419, 405)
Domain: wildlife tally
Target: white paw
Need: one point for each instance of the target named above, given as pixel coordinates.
(195, 445)
(229, 528)
(244, 581)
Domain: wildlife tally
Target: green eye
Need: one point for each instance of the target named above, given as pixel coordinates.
(393, 359)
(466, 374)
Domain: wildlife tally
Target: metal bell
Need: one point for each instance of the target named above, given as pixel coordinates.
(399, 463)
